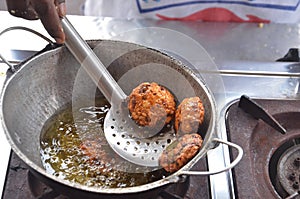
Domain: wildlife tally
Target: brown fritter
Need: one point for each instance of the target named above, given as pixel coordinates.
(189, 115)
(178, 153)
(92, 149)
(151, 104)
(99, 154)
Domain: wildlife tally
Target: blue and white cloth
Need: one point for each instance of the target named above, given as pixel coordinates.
(279, 11)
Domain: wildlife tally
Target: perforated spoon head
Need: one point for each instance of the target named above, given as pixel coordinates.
(139, 145)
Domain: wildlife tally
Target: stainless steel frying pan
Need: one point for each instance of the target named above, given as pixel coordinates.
(43, 84)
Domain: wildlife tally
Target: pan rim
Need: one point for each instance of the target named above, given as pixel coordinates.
(172, 178)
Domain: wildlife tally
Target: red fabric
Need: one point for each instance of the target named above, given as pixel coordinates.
(216, 14)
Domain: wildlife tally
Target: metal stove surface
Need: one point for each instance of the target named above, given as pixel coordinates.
(265, 172)
(245, 56)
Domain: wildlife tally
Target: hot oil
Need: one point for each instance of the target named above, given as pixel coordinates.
(76, 150)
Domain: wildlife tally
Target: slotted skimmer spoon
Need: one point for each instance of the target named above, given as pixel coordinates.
(139, 145)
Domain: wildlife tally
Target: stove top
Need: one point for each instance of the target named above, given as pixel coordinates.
(238, 79)
(232, 50)
(269, 168)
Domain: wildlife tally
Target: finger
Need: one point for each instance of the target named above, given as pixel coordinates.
(48, 14)
(61, 7)
(21, 9)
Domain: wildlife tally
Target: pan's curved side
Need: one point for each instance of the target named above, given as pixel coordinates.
(45, 83)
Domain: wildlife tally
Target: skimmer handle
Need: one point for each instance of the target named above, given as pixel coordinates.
(91, 63)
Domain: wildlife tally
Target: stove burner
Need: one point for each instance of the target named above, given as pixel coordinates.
(267, 153)
(288, 170)
(284, 168)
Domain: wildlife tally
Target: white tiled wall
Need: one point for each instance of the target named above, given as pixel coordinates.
(73, 6)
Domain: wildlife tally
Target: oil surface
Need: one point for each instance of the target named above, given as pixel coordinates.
(76, 150)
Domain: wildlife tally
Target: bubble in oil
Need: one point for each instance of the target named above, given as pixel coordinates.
(68, 150)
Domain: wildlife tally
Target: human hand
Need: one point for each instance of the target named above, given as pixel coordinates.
(48, 11)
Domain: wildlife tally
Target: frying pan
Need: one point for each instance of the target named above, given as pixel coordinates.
(43, 84)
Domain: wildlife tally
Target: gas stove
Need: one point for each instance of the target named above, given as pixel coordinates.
(270, 166)
(246, 57)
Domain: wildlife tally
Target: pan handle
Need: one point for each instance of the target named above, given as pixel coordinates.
(10, 65)
(230, 166)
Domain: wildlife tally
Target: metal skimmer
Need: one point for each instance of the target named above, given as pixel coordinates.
(139, 145)
(142, 151)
